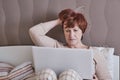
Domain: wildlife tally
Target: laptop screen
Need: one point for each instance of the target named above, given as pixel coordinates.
(60, 59)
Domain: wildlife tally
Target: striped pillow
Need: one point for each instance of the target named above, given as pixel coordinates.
(5, 68)
(21, 71)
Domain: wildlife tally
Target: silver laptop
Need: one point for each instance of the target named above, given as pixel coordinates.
(60, 59)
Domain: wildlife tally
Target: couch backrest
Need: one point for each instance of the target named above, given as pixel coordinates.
(16, 55)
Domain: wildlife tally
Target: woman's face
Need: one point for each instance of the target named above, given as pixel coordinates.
(72, 35)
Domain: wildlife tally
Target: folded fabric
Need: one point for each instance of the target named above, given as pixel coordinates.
(21, 71)
(5, 68)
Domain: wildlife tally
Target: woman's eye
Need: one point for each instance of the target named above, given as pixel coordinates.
(75, 30)
(67, 30)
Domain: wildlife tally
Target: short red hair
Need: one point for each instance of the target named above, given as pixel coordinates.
(70, 17)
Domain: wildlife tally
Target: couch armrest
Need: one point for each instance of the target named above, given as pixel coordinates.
(116, 68)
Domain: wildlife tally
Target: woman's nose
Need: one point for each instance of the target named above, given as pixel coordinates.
(72, 34)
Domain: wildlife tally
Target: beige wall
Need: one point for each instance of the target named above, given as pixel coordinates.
(17, 16)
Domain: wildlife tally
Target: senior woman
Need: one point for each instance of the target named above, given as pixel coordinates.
(74, 25)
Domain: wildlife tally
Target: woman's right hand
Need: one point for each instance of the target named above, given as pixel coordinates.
(95, 77)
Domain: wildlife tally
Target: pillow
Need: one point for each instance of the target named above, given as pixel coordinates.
(5, 68)
(21, 71)
(108, 54)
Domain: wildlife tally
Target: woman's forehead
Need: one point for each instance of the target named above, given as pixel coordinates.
(75, 26)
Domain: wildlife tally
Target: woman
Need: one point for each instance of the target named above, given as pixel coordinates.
(74, 25)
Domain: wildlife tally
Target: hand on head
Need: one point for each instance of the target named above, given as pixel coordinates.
(65, 14)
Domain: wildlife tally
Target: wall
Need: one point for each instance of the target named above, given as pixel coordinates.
(17, 16)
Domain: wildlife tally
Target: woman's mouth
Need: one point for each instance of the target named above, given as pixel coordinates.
(71, 39)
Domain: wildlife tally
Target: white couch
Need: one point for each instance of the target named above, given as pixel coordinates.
(19, 54)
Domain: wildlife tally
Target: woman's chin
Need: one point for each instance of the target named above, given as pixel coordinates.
(72, 44)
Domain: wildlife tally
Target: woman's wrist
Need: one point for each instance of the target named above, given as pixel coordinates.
(59, 21)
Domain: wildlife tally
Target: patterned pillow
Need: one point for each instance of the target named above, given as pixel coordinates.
(21, 71)
(46, 74)
(70, 75)
(5, 68)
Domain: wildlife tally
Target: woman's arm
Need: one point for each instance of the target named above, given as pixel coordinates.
(38, 34)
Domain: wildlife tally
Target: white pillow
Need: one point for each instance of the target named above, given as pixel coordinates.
(108, 54)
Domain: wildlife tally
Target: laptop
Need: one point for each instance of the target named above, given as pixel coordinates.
(61, 59)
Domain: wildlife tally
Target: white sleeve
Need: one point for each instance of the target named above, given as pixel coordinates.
(38, 34)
